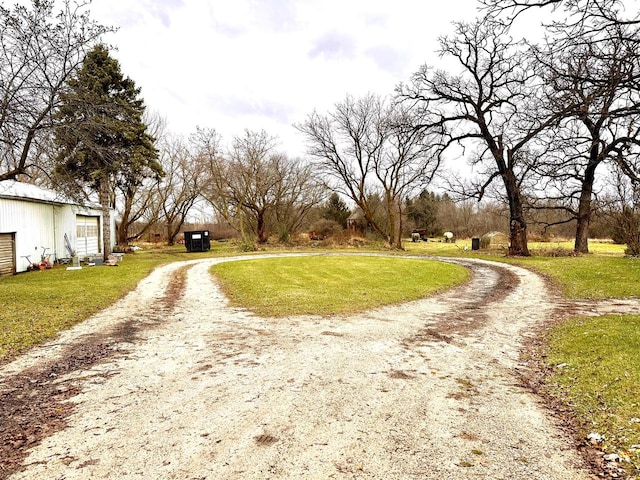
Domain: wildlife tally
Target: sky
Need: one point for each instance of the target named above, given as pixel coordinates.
(233, 65)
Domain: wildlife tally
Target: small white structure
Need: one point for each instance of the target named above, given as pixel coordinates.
(32, 218)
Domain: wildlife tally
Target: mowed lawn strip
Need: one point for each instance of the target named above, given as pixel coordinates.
(331, 285)
(590, 276)
(606, 273)
(596, 370)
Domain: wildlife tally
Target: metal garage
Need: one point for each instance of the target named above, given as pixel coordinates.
(7, 254)
(35, 220)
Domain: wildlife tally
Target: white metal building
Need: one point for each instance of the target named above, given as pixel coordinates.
(32, 218)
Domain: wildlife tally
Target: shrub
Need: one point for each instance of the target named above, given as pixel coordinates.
(325, 228)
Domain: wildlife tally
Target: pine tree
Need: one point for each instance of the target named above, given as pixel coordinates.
(101, 139)
(336, 209)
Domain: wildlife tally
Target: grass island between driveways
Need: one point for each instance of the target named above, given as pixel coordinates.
(326, 285)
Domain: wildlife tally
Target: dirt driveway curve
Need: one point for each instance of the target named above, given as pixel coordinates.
(171, 383)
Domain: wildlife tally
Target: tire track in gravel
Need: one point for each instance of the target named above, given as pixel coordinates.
(35, 400)
(422, 390)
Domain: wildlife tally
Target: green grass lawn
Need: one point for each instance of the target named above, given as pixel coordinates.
(330, 285)
(588, 276)
(596, 370)
(463, 248)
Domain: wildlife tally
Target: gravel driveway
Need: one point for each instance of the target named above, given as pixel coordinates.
(171, 383)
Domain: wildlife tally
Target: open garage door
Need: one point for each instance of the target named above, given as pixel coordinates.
(7, 254)
(87, 235)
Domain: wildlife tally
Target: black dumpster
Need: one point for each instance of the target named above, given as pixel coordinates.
(475, 244)
(197, 241)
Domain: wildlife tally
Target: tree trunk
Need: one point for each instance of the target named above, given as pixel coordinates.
(106, 217)
(261, 229)
(123, 232)
(391, 236)
(581, 244)
(399, 235)
(170, 235)
(173, 230)
(584, 206)
(517, 224)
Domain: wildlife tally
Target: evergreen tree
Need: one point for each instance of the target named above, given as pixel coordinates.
(101, 138)
(423, 212)
(336, 209)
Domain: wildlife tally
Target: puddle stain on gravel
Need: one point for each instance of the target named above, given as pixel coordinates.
(35, 403)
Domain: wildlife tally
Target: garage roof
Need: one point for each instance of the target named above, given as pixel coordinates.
(19, 190)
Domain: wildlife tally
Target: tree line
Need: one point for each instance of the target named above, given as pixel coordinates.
(539, 123)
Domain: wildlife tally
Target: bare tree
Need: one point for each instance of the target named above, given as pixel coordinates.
(590, 60)
(247, 181)
(297, 194)
(40, 51)
(138, 205)
(368, 149)
(493, 106)
(624, 212)
(256, 188)
(180, 187)
(597, 85)
(139, 211)
(580, 17)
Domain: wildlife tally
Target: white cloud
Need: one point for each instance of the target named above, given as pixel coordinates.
(265, 64)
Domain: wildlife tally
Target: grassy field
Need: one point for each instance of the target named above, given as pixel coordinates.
(463, 247)
(329, 285)
(596, 370)
(596, 277)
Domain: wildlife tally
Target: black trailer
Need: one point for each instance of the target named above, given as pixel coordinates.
(197, 241)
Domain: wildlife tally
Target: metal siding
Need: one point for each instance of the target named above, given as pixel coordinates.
(65, 224)
(38, 224)
(33, 226)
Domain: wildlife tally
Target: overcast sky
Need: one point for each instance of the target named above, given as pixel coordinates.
(266, 64)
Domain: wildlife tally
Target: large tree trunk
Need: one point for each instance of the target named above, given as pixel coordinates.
(391, 216)
(106, 217)
(581, 244)
(584, 206)
(394, 217)
(172, 232)
(517, 224)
